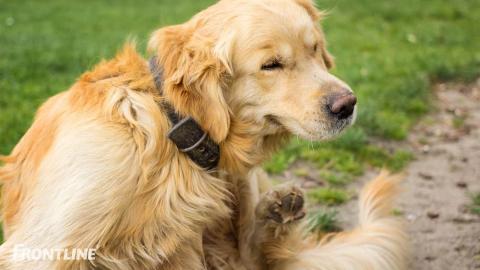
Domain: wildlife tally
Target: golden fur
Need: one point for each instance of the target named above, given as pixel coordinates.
(95, 170)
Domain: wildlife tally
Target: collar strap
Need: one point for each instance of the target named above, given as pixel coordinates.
(186, 133)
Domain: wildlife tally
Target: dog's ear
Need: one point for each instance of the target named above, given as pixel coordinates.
(309, 6)
(327, 57)
(196, 69)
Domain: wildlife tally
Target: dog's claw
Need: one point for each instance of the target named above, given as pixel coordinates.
(300, 215)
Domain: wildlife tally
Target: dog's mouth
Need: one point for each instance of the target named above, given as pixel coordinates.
(316, 130)
(274, 125)
(273, 120)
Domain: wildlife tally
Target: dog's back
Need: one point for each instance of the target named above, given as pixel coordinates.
(91, 172)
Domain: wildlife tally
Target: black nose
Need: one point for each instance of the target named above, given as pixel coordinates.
(342, 106)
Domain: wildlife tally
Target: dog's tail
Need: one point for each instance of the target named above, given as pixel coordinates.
(378, 243)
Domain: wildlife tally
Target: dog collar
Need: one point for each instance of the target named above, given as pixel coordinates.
(186, 133)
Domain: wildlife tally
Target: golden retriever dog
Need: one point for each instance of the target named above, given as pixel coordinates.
(97, 169)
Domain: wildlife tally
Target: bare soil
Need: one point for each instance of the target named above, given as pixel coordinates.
(436, 196)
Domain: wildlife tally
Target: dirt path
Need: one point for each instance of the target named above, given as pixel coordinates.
(435, 198)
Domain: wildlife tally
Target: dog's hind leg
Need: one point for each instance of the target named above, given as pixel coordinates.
(278, 216)
(378, 243)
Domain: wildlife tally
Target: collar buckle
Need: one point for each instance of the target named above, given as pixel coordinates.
(186, 133)
(190, 139)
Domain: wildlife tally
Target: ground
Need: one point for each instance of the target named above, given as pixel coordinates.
(440, 182)
(436, 198)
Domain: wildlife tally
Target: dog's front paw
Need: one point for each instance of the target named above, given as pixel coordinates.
(282, 205)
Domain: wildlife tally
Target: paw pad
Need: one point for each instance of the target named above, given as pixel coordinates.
(287, 208)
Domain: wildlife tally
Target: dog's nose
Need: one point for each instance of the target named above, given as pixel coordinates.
(342, 105)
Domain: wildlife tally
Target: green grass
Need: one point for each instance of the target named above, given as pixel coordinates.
(397, 212)
(328, 196)
(475, 206)
(458, 122)
(323, 221)
(340, 161)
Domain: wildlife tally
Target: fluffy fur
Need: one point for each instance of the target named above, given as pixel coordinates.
(95, 170)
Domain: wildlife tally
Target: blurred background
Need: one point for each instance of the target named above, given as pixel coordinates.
(413, 65)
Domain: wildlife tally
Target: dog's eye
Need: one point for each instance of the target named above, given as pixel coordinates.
(315, 47)
(272, 64)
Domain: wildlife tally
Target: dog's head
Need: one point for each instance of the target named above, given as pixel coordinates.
(259, 61)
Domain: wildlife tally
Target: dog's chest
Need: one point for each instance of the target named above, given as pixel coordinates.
(227, 244)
